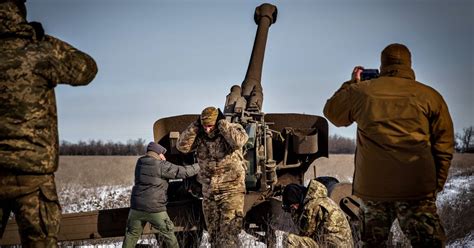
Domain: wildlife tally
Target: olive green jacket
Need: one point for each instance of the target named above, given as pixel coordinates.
(405, 137)
(31, 65)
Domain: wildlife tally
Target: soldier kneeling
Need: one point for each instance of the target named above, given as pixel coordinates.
(320, 221)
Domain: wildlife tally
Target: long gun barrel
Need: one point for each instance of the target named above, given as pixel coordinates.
(251, 89)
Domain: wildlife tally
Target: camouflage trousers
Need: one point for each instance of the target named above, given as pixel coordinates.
(34, 201)
(295, 241)
(224, 220)
(418, 220)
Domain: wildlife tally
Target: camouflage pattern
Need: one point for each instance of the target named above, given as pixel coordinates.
(30, 68)
(321, 222)
(222, 175)
(209, 116)
(224, 220)
(418, 220)
(295, 241)
(37, 210)
(31, 65)
(219, 156)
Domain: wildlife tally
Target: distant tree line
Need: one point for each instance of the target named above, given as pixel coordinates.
(464, 143)
(337, 145)
(98, 147)
(341, 145)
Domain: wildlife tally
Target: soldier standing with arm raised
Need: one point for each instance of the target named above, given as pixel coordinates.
(31, 65)
(404, 149)
(218, 146)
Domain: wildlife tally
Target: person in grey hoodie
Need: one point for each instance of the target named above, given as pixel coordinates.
(149, 199)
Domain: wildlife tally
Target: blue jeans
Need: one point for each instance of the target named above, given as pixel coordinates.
(159, 221)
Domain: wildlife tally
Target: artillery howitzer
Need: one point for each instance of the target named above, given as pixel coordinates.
(280, 149)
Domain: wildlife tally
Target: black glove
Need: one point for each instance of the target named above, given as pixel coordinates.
(39, 31)
(220, 115)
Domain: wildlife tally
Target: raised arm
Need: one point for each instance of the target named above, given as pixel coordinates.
(233, 133)
(186, 141)
(338, 107)
(68, 65)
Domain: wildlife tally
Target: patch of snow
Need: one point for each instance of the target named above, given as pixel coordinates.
(75, 198)
(467, 241)
(454, 187)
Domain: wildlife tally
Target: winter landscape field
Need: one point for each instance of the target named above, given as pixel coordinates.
(87, 183)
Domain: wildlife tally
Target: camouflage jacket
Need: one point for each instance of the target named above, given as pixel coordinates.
(220, 158)
(31, 65)
(322, 220)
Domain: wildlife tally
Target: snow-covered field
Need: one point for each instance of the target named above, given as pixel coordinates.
(456, 199)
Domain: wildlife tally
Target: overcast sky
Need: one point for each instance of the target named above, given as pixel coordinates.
(163, 58)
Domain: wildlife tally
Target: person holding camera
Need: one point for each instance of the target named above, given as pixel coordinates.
(320, 221)
(32, 64)
(218, 145)
(405, 143)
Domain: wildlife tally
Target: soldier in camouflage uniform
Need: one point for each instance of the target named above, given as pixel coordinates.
(218, 146)
(31, 65)
(320, 221)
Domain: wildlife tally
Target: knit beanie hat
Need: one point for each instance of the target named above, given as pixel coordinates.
(293, 193)
(152, 146)
(396, 54)
(209, 116)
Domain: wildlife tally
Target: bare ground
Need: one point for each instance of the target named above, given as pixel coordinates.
(92, 171)
(340, 166)
(96, 171)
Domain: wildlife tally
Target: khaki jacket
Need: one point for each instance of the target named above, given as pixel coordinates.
(405, 137)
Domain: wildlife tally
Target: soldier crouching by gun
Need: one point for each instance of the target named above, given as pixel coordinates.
(218, 145)
(31, 65)
(319, 219)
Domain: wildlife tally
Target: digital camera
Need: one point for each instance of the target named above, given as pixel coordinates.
(368, 74)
